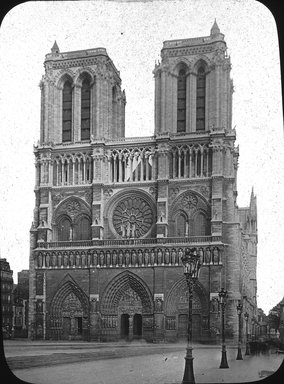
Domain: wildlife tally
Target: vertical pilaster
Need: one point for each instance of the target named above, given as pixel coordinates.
(163, 101)
(169, 103)
(158, 102)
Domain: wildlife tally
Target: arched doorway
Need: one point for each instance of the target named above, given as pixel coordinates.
(128, 297)
(68, 314)
(137, 326)
(177, 310)
(124, 326)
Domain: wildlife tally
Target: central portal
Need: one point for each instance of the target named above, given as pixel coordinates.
(124, 326)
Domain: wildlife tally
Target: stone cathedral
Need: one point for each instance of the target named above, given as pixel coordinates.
(114, 215)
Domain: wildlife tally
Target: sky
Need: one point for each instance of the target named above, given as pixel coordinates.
(133, 34)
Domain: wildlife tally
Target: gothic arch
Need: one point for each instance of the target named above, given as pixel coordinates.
(117, 287)
(201, 61)
(67, 75)
(191, 200)
(177, 298)
(84, 73)
(181, 62)
(192, 204)
(72, 206)
(67, 286)
(72, 209)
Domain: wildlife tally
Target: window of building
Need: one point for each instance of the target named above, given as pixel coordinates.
(67, 112)
(181, 101)
(65, 230)
(200, 99)
(85, 109)
(83, 229)
(182, 225)
(80, 230)
(201, 226)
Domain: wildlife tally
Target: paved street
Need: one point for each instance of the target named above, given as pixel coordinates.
(128, 363)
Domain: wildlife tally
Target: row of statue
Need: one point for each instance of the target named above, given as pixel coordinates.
(123, 258)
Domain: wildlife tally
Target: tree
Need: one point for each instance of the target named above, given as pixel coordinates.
(274, 317)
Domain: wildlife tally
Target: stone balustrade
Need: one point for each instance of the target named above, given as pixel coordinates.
(126, 257)
(194, 240)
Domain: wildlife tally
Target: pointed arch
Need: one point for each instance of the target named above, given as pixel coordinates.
(178, 295)
(192, 204)
(201, 70)
(67, 107)
(67, 286)
(201, 61)
(68, 311)
(181, 62)
(116, 288)
(66, 75)
(84, 74)
(74, 215)
(86, 108)
(181, 99)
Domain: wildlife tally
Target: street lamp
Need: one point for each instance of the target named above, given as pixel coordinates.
(246, 315)
(191, 264)
(253, 322)
(223, 296)
(239, 311)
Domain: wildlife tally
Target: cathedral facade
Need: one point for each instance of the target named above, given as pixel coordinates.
(114, 215)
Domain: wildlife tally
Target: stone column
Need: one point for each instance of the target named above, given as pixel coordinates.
(130, 335)
(95, 326)
(159, 326)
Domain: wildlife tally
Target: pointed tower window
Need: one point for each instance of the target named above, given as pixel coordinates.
(65, 229)
(67, 112)
(181, 101)
(85, 110)
(200, 100)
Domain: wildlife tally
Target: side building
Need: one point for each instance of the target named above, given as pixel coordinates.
(21, 305)
(7, 284)
(114, 215)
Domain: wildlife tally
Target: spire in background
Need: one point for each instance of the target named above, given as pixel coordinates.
(55, 48)
(215, 29)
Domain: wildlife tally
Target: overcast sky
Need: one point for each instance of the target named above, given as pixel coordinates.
(133, 34)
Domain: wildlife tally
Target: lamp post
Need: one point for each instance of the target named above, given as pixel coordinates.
(223, 296)
(246, 315)
(253, 328)
(239, 311)
(191, 264)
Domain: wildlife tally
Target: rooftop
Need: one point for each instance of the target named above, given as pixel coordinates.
(215, 35)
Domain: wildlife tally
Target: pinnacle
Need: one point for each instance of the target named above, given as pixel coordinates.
(215, 29)
(55, 48)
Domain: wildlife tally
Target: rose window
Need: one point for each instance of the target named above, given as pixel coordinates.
(132, 217)
(189, 201)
